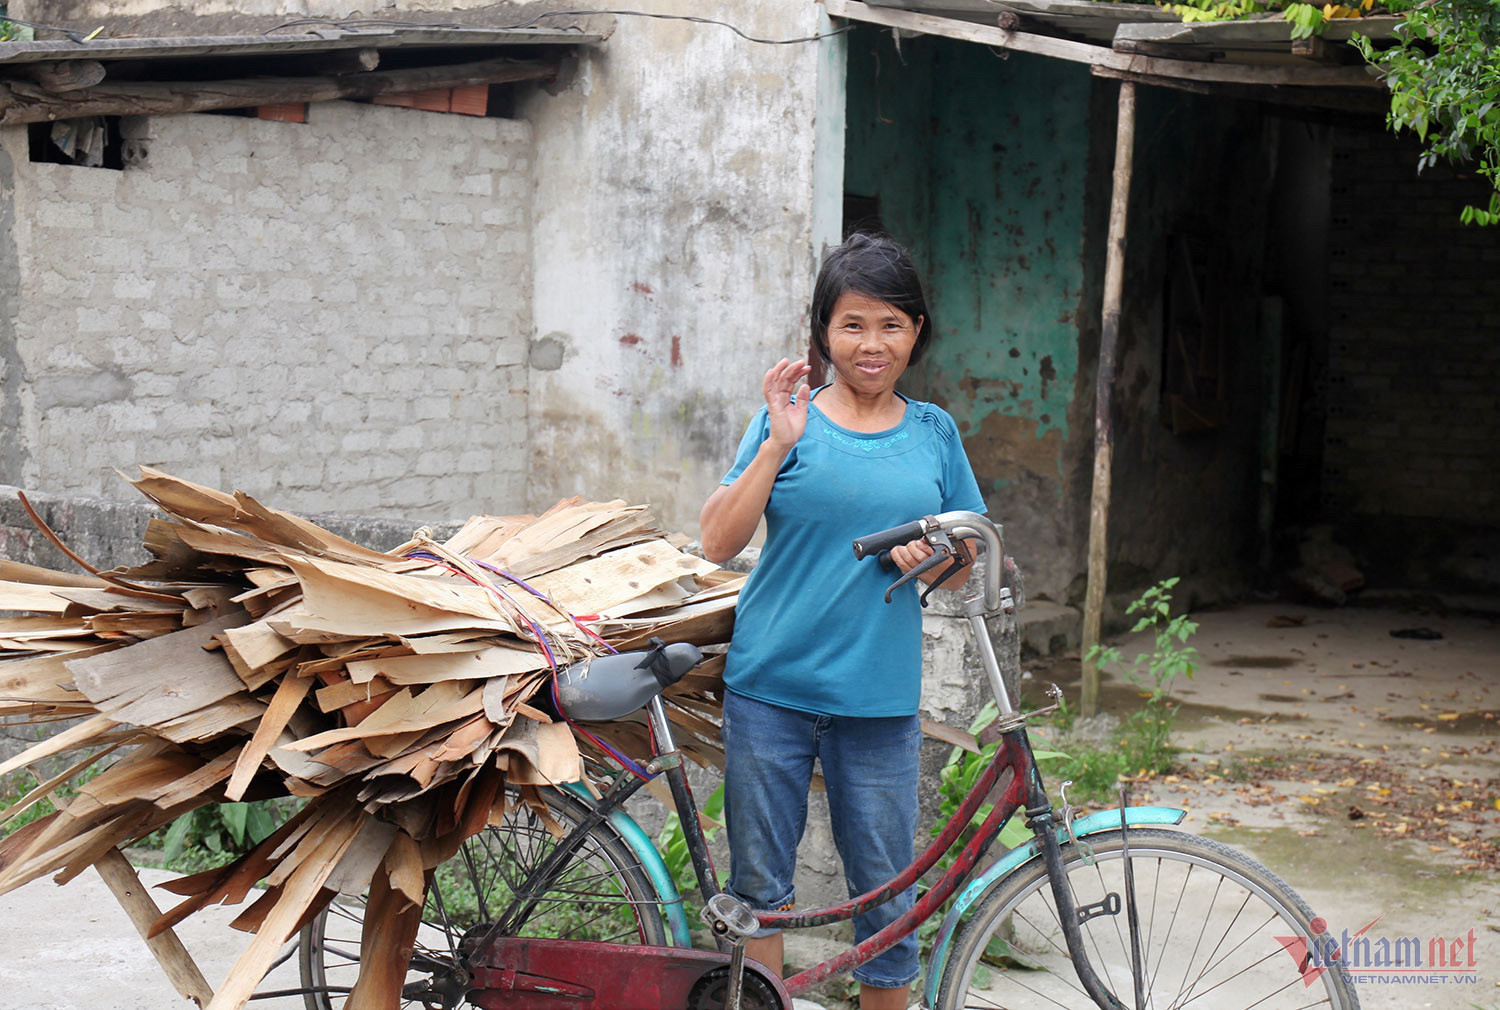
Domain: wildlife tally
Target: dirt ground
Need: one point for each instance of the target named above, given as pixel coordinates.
(1360, 767)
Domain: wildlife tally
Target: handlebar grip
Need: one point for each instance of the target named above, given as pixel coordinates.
(874, 543)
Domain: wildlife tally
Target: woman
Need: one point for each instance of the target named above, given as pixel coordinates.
(820, 668)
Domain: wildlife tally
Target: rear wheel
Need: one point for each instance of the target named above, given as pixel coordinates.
(1218, 930)
(600, 894)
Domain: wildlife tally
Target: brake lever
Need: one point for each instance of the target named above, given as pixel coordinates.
(943, 550)
(926, 565)
(961, 560)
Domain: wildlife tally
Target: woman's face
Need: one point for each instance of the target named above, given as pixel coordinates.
(869, 342)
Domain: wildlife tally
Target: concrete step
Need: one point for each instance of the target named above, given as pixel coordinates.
(1049, 629)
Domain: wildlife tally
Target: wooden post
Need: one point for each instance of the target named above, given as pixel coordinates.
(121, 878)
(1104, 438)
(386, 942)
(168, 950)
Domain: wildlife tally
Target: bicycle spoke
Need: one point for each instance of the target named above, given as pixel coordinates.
(593, 894)
(1209, 922)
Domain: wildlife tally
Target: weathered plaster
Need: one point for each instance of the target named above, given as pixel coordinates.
(674, 253)
(14, 451)
(1007, 239)
(980, 166)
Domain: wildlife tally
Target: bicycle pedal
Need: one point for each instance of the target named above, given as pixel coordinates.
(730, 918)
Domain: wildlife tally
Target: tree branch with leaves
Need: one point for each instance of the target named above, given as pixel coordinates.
(1442, 70)
(1444, 78)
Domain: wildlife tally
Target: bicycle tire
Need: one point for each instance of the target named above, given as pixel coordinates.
(1209, 920)
(601, 894)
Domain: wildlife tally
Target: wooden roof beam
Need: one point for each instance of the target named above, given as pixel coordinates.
(1142, 68)
(1365, 101)
(23, 102)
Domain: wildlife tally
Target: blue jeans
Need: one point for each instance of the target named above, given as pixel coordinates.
(870, 767)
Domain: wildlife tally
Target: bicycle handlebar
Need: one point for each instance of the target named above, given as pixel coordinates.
(874, 543)
(962, 524)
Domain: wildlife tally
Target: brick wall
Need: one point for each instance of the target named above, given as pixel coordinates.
(1413, 382)
(332, 315)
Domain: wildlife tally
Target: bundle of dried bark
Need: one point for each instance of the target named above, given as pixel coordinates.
(259, 655)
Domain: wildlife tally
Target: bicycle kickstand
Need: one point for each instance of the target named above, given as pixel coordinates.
(733, 921)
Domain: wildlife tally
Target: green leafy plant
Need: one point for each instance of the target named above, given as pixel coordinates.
(1147, 733)
(1443, 73)
(958, 777)
(963, 770)
(213, 834)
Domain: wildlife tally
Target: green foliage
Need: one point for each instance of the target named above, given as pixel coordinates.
(1444, 78)
(1146, 735)
(213, 835)
(1443, 72)
(957, 779)
(1215, 10)
(1306, 19)
(42, 807)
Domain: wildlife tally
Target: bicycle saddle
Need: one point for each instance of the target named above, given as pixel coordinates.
(608, 687)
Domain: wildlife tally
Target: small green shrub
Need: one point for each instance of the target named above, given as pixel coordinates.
(213, 835)
(1144, 739)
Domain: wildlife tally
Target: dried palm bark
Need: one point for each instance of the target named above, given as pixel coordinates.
(259, 655)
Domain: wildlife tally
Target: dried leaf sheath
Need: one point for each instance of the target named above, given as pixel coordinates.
(395, 692)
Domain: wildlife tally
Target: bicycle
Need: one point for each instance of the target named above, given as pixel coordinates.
(1109, 910)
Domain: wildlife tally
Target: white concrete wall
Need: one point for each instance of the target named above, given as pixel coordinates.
(674, 251)
(333, 314)
(674, 224)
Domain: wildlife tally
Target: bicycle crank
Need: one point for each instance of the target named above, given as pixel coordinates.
(711, 992)
(526, 973)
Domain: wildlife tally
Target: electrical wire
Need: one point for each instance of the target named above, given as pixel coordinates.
(357, 25)
(365, 24)
(629, 764)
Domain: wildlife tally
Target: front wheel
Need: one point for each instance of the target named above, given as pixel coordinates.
(601, 894)
(1218, 930)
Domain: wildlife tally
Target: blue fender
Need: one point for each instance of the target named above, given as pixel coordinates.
(678, 934)
(1102, 820)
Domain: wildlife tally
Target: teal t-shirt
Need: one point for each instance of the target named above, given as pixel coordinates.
(812, 631)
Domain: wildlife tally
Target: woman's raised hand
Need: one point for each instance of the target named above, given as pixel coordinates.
(788, 419)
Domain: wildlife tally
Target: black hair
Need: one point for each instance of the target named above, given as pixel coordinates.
(873, 265)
